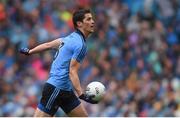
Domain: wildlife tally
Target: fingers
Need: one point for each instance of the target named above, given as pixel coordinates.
(91, 96)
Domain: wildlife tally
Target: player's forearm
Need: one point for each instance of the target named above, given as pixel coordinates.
(40, 48)
(76, 83)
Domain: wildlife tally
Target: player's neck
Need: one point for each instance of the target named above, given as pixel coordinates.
(85, 34)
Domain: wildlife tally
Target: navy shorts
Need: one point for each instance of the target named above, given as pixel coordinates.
(53, 98)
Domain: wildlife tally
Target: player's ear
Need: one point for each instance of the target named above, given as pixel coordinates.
(79, 23)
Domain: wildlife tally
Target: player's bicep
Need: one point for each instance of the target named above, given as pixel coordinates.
(54, 44)
(74, 66)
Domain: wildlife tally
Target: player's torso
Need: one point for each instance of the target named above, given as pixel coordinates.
(59, 73)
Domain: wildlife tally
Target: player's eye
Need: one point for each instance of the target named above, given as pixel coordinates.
(89, 18)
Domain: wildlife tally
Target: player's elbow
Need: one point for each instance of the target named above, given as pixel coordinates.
(48, 45)
(72, 72)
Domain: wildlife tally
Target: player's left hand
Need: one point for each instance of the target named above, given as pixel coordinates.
(88, 98)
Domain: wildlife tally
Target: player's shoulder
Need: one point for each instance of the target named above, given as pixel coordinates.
(74, 38)
(75, 35)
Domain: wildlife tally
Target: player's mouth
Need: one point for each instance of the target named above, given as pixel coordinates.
(92, 26)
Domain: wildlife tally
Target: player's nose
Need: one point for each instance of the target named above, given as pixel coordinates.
(92, 22)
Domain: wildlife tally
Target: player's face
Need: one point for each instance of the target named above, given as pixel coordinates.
(88, 23)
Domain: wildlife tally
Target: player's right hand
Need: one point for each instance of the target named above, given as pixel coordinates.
(88, 98)
(24, 51)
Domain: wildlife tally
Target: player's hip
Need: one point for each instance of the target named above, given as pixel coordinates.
(60, 82)
(53, 97)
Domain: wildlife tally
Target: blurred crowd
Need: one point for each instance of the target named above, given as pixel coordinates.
(135, 53)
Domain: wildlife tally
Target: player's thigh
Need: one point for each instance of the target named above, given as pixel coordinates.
(49, 100)
(79, 111)
(39, 113)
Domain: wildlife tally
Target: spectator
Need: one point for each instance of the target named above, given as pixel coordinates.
(135, 53)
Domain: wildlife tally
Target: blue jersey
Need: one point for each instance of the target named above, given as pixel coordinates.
(73, 47)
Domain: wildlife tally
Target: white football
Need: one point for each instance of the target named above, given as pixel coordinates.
(97, 89)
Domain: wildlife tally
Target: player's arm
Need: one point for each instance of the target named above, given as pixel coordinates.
(74, 67)
(42, 47)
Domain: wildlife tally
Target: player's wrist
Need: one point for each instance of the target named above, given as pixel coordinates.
(79, 93)
(81, 96)
(88, 99)
(24, 51)
(29, 52)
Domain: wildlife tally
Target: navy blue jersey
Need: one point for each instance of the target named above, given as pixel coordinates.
(73, 47)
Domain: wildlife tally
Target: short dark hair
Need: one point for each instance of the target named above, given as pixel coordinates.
(79, 15)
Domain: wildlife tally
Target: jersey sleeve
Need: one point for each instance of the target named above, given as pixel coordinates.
(79, 52)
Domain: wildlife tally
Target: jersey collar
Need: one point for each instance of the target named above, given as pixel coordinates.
(80, 33)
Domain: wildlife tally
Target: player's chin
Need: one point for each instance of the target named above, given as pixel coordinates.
(91, 31)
